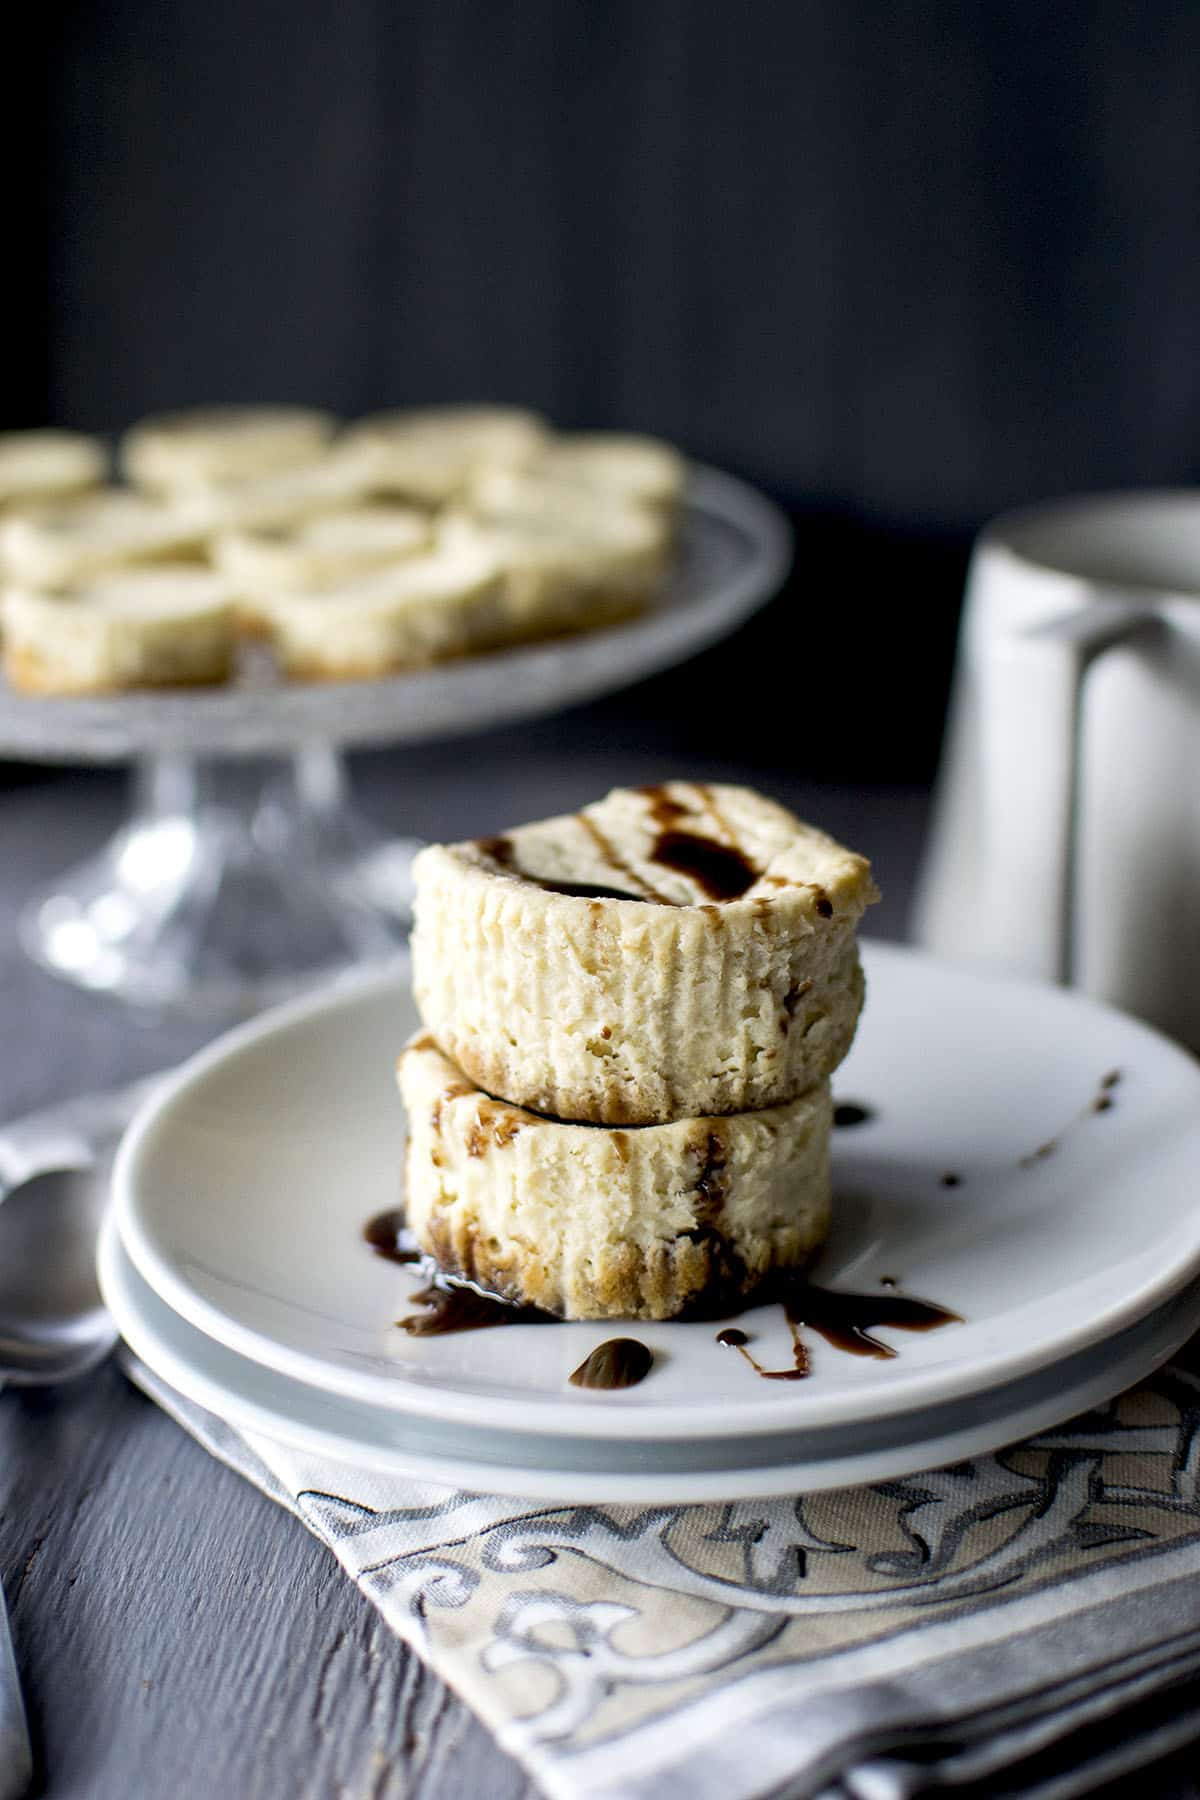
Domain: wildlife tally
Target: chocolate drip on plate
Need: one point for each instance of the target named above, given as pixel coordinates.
(385, 1234)
(852, 1112)
(452, 1308)
(734, 1339)
(617, 1363)
(1103, 1101)
(847, 1320)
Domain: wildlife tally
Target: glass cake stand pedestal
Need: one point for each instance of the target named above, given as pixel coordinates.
(243, 871)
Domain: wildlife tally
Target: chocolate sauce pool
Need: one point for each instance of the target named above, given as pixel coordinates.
(617, 1363)
(852, 1112)
(846, 1321)
(450, 1308)
(384, 1233)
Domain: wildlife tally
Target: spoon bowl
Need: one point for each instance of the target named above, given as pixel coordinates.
(53, 1325)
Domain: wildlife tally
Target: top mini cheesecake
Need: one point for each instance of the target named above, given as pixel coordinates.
(669, 952)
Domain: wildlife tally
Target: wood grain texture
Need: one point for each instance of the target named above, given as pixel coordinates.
(179, 1634)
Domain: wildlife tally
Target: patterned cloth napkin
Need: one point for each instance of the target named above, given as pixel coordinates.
(1026, 1623)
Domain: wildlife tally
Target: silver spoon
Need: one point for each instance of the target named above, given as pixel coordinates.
(52, 1326)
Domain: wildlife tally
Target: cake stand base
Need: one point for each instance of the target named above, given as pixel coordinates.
(231, 885)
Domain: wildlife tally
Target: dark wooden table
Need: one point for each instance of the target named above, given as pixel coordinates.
(177, 1634)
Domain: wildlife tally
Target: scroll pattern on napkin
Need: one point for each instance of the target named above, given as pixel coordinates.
(555, 1622)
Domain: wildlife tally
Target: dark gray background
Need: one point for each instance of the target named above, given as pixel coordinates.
(904, 264)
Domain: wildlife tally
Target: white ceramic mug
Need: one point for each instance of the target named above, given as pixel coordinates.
(1066, 832)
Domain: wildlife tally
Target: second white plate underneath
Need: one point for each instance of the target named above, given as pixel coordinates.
(1029, 1162)
(599, 1471)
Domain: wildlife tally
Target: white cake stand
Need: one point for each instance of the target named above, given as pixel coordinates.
(243, 871)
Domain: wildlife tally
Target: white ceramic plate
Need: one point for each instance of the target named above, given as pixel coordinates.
(243, 1189)
(572, 1470)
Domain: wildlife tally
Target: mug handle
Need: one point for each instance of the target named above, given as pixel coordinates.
(1032, 738)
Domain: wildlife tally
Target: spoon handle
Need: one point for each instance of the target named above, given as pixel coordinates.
(16, 1760)
(69, 1135)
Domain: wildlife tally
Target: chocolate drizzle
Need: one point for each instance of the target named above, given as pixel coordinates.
(713, 1178)
(500, 849)
(719, 870)
(852, 1112)
(1102, 1101)
(735, 1339)
(501, 852)
(617, 1363)
(586, 890)
(664, 812)
(610, 856)
(845, 1321)
(386, 1233)
(453, 1307)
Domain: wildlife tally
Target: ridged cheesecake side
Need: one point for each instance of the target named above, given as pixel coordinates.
(571, 969)
(594, 1223)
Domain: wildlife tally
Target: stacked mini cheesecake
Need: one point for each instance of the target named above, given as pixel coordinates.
(620, 1106)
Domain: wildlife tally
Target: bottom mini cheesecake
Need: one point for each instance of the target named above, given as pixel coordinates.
(592, 1222)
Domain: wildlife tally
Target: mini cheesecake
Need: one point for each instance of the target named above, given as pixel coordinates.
(173, 451)
(319, 552)
(562, 576)
(430, 455)
(283, 499)
(154, 627)
(36, 466)
(617, 465)
(77, 538)
(667, 953)
(595, 1223)
(430, 607)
